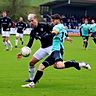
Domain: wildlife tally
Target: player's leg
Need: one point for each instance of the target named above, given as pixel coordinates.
(4, 39)
(39, 73)
(6, 43)
(94, 37)
(31, 71)
(39, 54)
(71, 63)
(85, 41)
(21, 38)
(37, 77)
(9, 42)
(16, 40)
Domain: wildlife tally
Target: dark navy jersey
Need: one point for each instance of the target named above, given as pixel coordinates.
(40, 32)
(6, 23)
(21, 26)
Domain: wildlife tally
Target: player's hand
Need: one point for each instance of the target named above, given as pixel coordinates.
(19, 56)
(69, 39)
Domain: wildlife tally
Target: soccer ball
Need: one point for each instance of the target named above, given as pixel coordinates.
(25, 51)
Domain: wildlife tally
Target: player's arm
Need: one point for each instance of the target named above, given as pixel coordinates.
(67, 37)
(48, 36)
(30, 43)
(25, 26)
(10, 22)
(80, 31)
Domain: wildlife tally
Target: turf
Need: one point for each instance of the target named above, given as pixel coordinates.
(68, 82)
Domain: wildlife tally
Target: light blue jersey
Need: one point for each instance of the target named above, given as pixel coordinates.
(85, 29)
(59, 38)
(93, 28)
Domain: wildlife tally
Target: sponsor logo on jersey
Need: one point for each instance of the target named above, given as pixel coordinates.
(41, 29)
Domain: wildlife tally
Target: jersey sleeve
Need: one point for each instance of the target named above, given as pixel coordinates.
(30, 43)
(25, 26)
(0, 22)
(56, 29)
(10, 22)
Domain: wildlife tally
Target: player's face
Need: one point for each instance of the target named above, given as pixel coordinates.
(20, 19)
(55, 21)
(33, 22)
(86, 21)
(92, 21)
(4, 14)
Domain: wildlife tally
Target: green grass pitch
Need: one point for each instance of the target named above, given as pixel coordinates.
(68, 82)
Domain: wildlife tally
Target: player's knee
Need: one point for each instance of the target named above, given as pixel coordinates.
(55, 66)
(41, 67)
(4, 40)
(59, 65)
(33, 61)
(85, 40)
(17, 38)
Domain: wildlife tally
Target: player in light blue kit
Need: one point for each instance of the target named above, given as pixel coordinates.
(84, 32)
(55, 57)
(93, 30)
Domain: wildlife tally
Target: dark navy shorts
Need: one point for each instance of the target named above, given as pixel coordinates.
(85, 37)
(53, 58)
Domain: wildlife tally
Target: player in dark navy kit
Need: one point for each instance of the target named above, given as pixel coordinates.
(21, 26)
(6, 24)
(39, 29)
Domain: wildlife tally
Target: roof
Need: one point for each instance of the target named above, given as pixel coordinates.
(72, 2)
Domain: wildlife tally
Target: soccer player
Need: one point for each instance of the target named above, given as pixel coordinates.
(57, 52)
(6, 24)
(21, 26)
(93, 30)
(39, 29)
(84, 32)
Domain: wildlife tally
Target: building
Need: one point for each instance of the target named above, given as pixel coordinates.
(70, 7)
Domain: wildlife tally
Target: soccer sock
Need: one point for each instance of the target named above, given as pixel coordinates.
(72, 63)
(31, 72)
(6, 44)
(9, 43)
(16, 42)
(86, 44)
(94, 40)
(81, 64)
(21, 39)
(38, 76)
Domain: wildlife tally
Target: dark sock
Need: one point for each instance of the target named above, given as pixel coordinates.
(20, 39)
(72, 63)
(38, 76)
(86, 44)
(94, 40)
